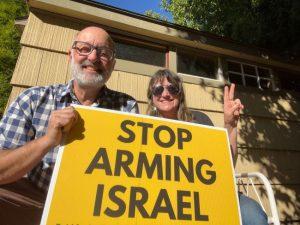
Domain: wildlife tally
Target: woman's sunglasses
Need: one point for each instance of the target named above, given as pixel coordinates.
(159, 89)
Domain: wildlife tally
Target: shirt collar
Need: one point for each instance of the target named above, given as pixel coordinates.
(101, 95)
(68, 91)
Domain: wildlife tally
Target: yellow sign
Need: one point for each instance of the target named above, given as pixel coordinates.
(121, 168)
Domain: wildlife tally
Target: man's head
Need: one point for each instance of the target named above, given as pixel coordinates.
(92, 57)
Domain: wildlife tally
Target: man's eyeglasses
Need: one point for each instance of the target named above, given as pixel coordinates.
(84, 48)
(159, 89)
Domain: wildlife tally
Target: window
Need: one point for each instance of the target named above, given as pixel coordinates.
(289, 80)
(196, 65)
(141, 53)
(249, 75)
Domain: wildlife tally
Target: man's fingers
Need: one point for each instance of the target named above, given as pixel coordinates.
(66, 128)
(71, 123)
(68, 109)
(63, 118)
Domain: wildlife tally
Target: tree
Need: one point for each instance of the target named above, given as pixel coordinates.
(155, 15)
(9, 44)
(271, 24)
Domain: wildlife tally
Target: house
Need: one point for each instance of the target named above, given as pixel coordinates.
(268, 84)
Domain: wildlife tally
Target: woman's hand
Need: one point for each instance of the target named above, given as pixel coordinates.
(232, 107)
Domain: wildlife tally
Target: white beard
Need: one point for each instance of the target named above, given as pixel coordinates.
(98, 80)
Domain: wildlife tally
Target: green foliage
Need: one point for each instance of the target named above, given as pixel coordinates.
(270, 24)
(155, 15)
(9, 44)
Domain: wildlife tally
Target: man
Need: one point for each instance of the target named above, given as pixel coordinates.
(32, 129)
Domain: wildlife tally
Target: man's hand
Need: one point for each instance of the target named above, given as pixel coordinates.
(61, 121)
(15, 164)
(232, 107)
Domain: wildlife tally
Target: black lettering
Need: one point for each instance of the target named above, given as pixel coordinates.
(212, 174)
(145, 127)
(123, 163)
(101, 154)
(198, 216)
(157, 138)
(183, 205)
(138, 203)
(155, 165)
(119, 202)
(179, 166)
(158, 208)
(131, 134)
(168, 167)
(183, 138)
(98, 200)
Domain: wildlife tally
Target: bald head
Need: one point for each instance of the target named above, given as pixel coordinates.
(92, 57)
(97, 34)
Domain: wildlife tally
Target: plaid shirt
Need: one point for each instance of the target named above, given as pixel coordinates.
(27, 119)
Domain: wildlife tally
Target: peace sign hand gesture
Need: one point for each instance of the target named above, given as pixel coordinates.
(232, 107)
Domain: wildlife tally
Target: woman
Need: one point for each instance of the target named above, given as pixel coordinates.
(166, 99)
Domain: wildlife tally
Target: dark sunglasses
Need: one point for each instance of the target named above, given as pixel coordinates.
(159, 89)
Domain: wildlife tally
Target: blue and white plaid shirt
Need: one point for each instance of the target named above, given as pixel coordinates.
(27, 119)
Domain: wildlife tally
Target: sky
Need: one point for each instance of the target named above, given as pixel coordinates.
(138, 6)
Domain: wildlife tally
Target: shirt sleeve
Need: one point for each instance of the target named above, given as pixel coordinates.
(16, 127)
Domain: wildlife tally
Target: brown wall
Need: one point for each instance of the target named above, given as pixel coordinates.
(269, 131)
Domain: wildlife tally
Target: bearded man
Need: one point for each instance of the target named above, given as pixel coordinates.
(32, 129)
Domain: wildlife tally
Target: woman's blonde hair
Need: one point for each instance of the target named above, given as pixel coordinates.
(183, 113)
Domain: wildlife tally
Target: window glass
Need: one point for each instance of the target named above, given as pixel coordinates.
(236, 67)
(235, 78)
(140, 54)
(289, 80)
(251, 81)
(196, 65)
(249, 75)
(265, 84)
(264, 72)
(249, 69)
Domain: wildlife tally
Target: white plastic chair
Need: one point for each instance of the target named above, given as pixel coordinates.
(246, 179)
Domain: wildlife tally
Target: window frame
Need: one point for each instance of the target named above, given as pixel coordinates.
(200, 54)
(288, 75)
(257, 76)
(139, 67)
(218, 81)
